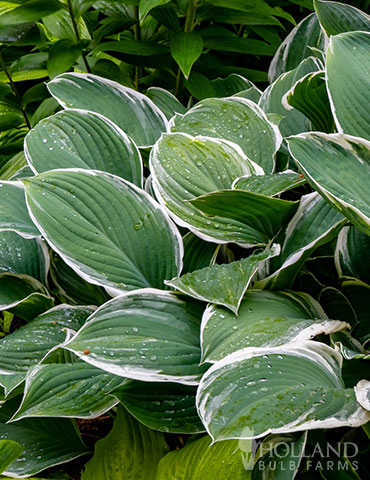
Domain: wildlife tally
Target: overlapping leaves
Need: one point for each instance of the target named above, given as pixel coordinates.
(255, 360)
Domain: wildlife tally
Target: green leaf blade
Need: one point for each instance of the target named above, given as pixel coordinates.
(186, 48)
(222, 284)
(184, 167)
(201, 460)
(309, 384)
(145, 335)
(167, 407)
(9, 451)
(336, 17)
(261, 216)
(348, 67)
(265, 319)
(13, 210)
(76, 390)
(130, 450)
(132, 111)
(83, 139)
(95, 239)
(338, 155)
(238, 120)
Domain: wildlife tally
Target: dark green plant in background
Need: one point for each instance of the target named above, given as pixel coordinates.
(177, 45)
(184, 235)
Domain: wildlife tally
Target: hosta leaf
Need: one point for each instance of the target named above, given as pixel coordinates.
(145, 335)
(335, 17)
(232, 84)
(165, 101)
(76, 390)
(336, 305)
(184, 167)
(71, 288)
(314, 224)
(348, 346)
(105, 228)
(132, 111)
(13, 210)
(82, 139)
(12, 384)
(325, 160)
(352, 248)
(23, 256)
(31, 342)
(236, 119)
(199, 460)
(347, 68)
(9, 451)
(167, 407)
(358, 294)
(265, 319)
(309, 95)
(293, 121)
(275, 390)
(186, 48)
(362, 390)
(296, 47)
(252, 93)
(222, 284)
(130, 450)
(197, 253)
(249, 216)
(270, 185)
(46, 441)
(24, 296)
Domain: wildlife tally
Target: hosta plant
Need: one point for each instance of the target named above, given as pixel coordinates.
(195, 279)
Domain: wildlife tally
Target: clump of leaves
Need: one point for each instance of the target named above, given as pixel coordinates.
(196, 273)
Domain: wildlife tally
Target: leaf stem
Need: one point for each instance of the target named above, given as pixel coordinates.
(190, 16)
(77, 34)
(178, 82)
(15, 92)
(137, 36)
(366, 429)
